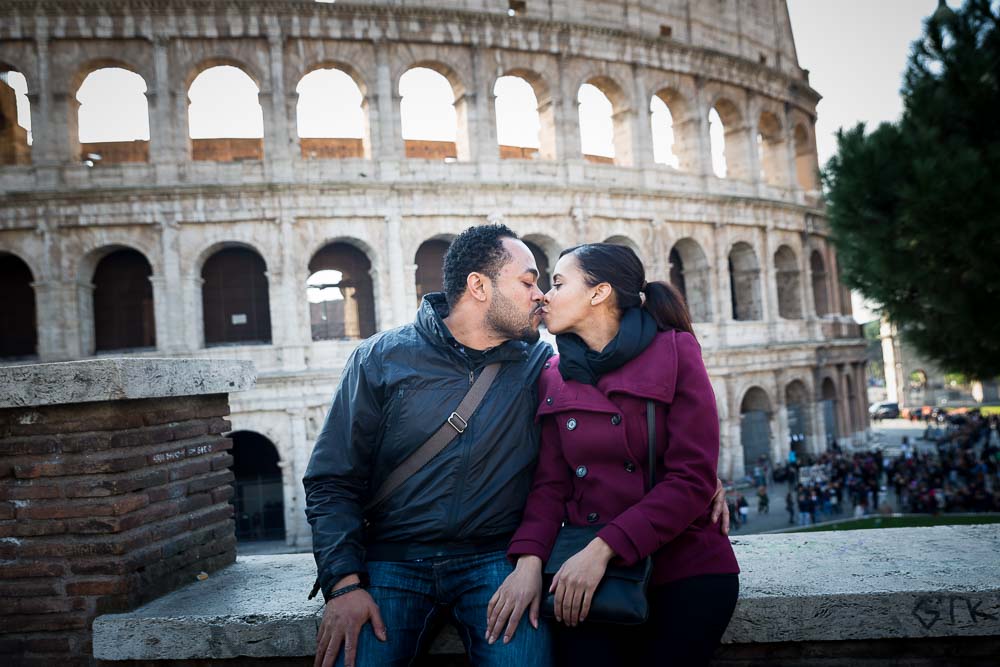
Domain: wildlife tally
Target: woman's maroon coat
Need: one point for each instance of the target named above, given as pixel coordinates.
(593, 458)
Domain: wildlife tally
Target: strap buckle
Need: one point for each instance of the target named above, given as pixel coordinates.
(455, 417)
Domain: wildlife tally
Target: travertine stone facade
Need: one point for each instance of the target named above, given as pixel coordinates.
(752, 248)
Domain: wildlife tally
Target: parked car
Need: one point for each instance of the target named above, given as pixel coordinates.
(883, 410)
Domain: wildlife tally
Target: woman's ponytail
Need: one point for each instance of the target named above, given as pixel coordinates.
(666, 304)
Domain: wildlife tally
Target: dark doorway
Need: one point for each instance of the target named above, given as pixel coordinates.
(19, 332)
(234, 298)
(123, 302)
(430, 267)
(259, 496)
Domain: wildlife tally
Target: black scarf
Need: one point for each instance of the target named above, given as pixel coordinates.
(580, 363)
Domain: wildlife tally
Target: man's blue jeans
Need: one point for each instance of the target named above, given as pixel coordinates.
(414, 596)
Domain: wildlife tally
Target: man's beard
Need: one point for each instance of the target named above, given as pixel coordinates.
(503, 319)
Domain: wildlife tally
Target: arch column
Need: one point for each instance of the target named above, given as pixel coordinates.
(703, 152)
(165, 147)
(49, 148)
(53, 299)
(293, 468)
(397, 273)
(387, 131)
(194, 314)
(168, 293)
(85, 339)
(567, 121)
(277, 141)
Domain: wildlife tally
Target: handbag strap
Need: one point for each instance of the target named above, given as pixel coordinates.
(651, 429)
(456, 424)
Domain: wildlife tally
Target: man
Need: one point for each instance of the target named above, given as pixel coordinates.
(437, 543)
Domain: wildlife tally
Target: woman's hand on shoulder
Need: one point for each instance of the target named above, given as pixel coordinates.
(577, 579)
(520, 591)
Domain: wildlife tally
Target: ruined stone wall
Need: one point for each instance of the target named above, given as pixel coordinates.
(287, 201)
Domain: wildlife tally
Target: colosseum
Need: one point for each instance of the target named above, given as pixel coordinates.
(289, 247)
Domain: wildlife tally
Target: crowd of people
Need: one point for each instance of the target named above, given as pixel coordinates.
(962, 476)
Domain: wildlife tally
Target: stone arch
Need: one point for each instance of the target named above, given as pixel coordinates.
(771, 149)
(115, 298)
(458, 148)
(19, 334)
(236, 305)
(733, 149)
(786, 267)
(324, 142)
(806, 160)
(621, 130)
(820, 283)
(223, 142)
(622, 240)
(258, 487)
(755, 426)
(543, 110)
(120, 146)
(15, 138)
(429, 260)
(683, 131)
(341, 293)
(744, 282)
(691, 273)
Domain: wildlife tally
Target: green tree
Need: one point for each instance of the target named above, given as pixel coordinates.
(914, 206)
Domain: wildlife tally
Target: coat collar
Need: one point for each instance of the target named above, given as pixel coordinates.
(650, 376)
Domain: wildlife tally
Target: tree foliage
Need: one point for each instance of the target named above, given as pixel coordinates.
(914, 206)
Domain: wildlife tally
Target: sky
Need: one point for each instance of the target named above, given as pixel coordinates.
(855, 51)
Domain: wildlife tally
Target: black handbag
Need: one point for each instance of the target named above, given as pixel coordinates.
(621, 596)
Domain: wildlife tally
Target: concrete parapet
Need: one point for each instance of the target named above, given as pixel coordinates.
(822, 598)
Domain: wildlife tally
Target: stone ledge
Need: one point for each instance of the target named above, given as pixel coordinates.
(120, 378)
(900, 583)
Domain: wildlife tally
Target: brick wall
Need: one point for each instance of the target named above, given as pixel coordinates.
(116, 152)
(104, 506)
(227, 150)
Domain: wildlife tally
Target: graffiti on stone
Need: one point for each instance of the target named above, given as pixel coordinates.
(932, 609)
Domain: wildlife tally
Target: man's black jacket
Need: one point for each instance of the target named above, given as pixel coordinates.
(398, 387)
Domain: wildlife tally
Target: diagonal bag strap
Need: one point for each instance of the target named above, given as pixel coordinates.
(651, 429)
(456, 424)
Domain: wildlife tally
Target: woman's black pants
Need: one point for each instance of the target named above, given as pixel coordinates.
(686, 621)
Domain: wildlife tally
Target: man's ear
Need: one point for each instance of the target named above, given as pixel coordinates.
(478, 285)
(600, 293)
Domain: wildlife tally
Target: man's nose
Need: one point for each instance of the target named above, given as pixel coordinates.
(538, 294)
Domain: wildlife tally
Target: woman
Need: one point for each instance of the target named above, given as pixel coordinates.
(623, 342)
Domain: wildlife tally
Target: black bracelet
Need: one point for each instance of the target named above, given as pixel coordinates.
(343, 591)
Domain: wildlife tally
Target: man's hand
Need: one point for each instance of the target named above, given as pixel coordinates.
(521, 590)
(720, 508)
(577, 579)
(343, 619)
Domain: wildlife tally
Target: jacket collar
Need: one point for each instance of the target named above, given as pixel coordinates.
(650, 376)
(430, 323)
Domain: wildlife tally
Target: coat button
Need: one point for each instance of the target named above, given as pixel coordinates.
(570, 424)
(629, 466)
(548, 400)
(581, 471)
(548, 365)
(593, 517)
(616, 419)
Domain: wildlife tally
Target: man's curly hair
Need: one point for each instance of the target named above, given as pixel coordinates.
(478, 249)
